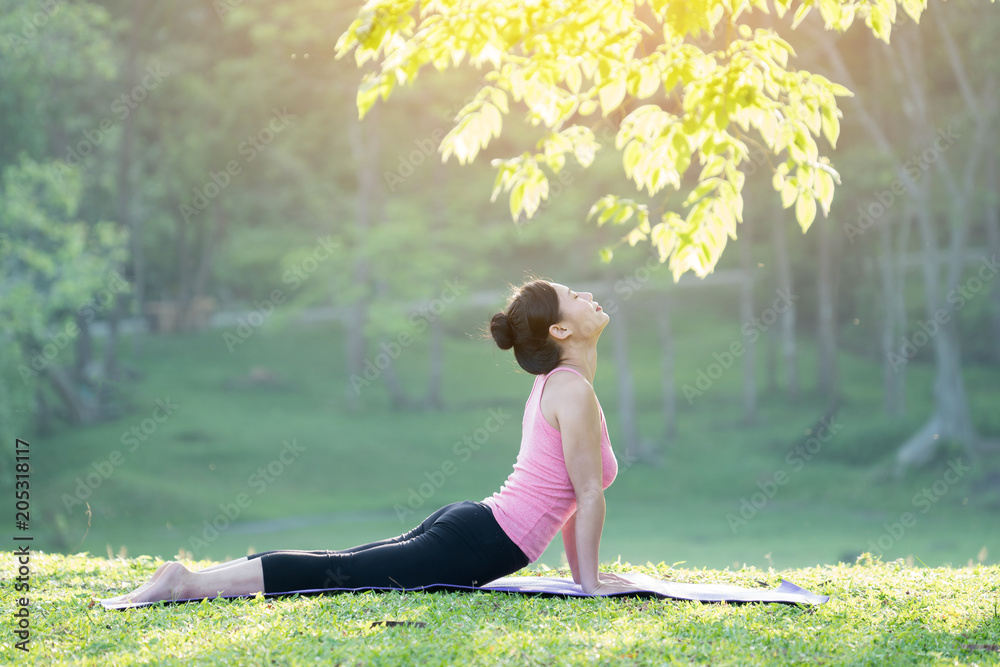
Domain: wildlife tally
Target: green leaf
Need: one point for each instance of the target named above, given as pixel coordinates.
(574, 79)
(800, 14)
(368, 91)
(649, 81)
(625, 212)
(499, 99)
(824, 189)
(630, 158)
(789, 191)
(701, 190)
(610, 211)
(831, 124)
(713, 167)
(611, 95)
(805, 210)
(536, 190)
(914, 8)
(516, 197)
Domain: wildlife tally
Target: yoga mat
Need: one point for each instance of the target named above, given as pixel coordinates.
(787, 592)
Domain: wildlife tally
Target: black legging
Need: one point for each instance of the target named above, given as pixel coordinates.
(461, 544)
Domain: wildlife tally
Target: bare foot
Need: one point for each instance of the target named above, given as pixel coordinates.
(156, 575)
(165, 584)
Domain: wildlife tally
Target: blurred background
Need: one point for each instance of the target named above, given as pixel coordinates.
(235, 318)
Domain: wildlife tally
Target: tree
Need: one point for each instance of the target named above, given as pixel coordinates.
(676, 100)
(58, 264)
(55, 271)
(910, 74)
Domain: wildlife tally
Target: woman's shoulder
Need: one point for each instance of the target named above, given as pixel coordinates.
(567, 376)
(567, 388)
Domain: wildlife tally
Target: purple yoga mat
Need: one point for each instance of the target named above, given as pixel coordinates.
(787, 592)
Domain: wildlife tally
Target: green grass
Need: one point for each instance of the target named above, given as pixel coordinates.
(878, 614)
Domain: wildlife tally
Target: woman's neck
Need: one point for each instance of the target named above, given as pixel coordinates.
(582, 360)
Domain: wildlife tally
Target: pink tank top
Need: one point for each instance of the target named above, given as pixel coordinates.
(538, 497)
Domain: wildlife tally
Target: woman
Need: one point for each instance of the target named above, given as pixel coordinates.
(564, 465)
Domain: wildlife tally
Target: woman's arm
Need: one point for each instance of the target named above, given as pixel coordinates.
(569, 544)
(579, 422)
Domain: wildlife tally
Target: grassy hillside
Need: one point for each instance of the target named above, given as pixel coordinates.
(878, 614)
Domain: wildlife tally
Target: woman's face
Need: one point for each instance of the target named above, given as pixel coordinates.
(581, 314)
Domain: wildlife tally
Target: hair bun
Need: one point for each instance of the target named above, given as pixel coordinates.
(502, 331)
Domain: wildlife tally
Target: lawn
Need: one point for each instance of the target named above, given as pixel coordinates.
(878, 614)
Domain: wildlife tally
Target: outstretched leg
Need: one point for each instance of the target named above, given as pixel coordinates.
(173, 581)
(212, 568)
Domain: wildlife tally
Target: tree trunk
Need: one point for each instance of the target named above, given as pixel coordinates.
(626, 386)
(196, 285)
(77, 409)
(83, 348)
(951, 418)
(826, 335)
(899, 304)
(364, 147)
(893, 375)
(892, 272)
(126, 194)
(668, 383)
(43, 417)
(435, 350)
(397, 396)
(435, 357)
(110, 375)
(746, 315)
(952, 414)
(789, 353)
(183, 256)
(993, 237)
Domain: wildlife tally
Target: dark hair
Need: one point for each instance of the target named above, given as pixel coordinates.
(531, 310)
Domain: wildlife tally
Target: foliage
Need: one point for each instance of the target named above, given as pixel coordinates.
(50, 263)
(51, 266)
(54, 57)
(677, 99)
(879, 613)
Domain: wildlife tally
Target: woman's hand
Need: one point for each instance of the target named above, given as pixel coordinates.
(609, 583)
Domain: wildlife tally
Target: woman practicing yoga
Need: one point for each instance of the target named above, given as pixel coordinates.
(564, 464)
